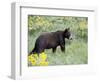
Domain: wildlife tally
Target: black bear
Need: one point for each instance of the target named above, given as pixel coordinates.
(51, 41)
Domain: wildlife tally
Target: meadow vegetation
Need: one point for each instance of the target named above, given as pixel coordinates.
(76, 49)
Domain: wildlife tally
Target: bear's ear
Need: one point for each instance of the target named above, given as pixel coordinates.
(66, 30)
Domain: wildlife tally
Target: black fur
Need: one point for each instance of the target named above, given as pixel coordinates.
(51, 41)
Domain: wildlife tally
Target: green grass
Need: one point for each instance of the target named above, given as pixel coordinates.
(76, 53)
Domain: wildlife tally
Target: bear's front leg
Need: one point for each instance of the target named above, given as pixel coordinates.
(62, 48)
(62, 43)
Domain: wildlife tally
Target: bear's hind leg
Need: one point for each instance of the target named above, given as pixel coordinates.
(39, 51)
(54, 50)
(32, 52)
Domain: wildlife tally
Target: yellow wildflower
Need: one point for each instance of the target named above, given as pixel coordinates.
(43, 56)
(44, 63)
(33, 62)
(30, 58)
(82, 25)
(35, 56)
(36, 60)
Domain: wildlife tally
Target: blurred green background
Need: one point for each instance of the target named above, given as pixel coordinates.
(76, 49)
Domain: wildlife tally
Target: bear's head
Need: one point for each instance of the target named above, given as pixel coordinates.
(67, 34)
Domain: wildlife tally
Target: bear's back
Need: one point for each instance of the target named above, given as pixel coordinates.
(51, 35)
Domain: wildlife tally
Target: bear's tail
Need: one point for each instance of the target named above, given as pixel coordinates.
(32, 52)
